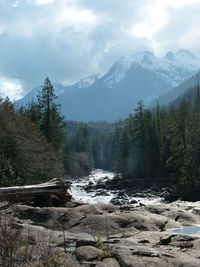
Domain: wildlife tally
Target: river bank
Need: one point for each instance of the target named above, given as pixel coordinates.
(106, 235)
(90, 231)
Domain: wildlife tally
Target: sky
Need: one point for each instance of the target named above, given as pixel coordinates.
(69, 39)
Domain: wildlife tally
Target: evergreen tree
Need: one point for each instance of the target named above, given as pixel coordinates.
(51, 122)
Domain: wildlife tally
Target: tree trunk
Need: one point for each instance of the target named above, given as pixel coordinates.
(52, 193)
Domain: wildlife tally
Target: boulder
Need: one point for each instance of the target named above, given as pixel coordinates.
(88, 253)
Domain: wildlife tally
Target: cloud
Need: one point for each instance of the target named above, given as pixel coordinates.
(68, 39)
(158, 16)
(11, 88)
(43, 2)
(180, 32)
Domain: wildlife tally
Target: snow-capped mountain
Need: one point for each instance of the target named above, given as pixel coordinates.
(115, 95)
(59, 89)
(87, 81)
(173, 66)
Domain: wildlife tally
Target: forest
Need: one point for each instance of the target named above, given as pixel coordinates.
(37, 144)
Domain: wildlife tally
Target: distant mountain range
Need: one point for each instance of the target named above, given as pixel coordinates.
(115, 94)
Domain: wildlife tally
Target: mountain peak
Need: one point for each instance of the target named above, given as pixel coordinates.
(146, 56)
(142, 76)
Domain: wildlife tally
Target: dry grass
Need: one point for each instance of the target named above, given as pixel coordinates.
(24, 248)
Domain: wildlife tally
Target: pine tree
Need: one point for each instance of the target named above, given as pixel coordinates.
(51, 122)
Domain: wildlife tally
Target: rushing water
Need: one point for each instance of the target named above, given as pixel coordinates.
(92, 197)
(103, 196)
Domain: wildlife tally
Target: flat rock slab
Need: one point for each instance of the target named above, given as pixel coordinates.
(88, 253)
(137, 237)
(109, 262)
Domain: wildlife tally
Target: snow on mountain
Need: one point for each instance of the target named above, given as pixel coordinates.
(31, 96)
(59, 89)
(114, 95)
(117, 73)
(175, 68)
(88, 81)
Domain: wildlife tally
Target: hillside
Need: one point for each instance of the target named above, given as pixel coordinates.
(186, 90)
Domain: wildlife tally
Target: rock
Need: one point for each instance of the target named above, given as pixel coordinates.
(108, 262)
(102, 193)
(101, 185)
(126, 208)
(165, 241)
(143, 241)
(132, 234)
(88, 188)
(88, 253)
(118, 202)
(82, 242)
(133, 201)
(120, 193)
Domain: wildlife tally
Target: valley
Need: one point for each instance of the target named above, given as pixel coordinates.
(99, 133)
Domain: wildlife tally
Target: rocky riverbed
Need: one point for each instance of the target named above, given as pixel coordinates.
(107, 235)
(98, 188)
(101, 234)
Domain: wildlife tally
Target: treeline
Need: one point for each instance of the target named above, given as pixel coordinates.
(164, 143)
(37, 144)
(26, 156)
(91, 145)
(73, 150)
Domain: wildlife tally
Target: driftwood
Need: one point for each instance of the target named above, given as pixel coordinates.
(52, 193)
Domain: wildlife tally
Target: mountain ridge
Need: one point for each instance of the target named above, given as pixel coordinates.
(116, 93)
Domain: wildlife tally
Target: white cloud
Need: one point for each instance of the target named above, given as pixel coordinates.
(16, 3)
(73, 16)
(67, 39)
(44, 2)
(156, 16)
(10, 88)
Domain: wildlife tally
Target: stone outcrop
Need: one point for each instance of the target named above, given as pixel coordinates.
(108, 236)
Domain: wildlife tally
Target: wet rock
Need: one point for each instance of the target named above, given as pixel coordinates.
(88, 188)
(88, 253)
(101, 185)
(133, 201)
(102, 193)
(121, 193)
(117, 202)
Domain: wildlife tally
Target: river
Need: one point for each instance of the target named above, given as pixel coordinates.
(104, 196)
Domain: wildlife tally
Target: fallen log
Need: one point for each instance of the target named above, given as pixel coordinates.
(52, 193)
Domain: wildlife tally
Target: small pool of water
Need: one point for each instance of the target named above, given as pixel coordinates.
(186, 230)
